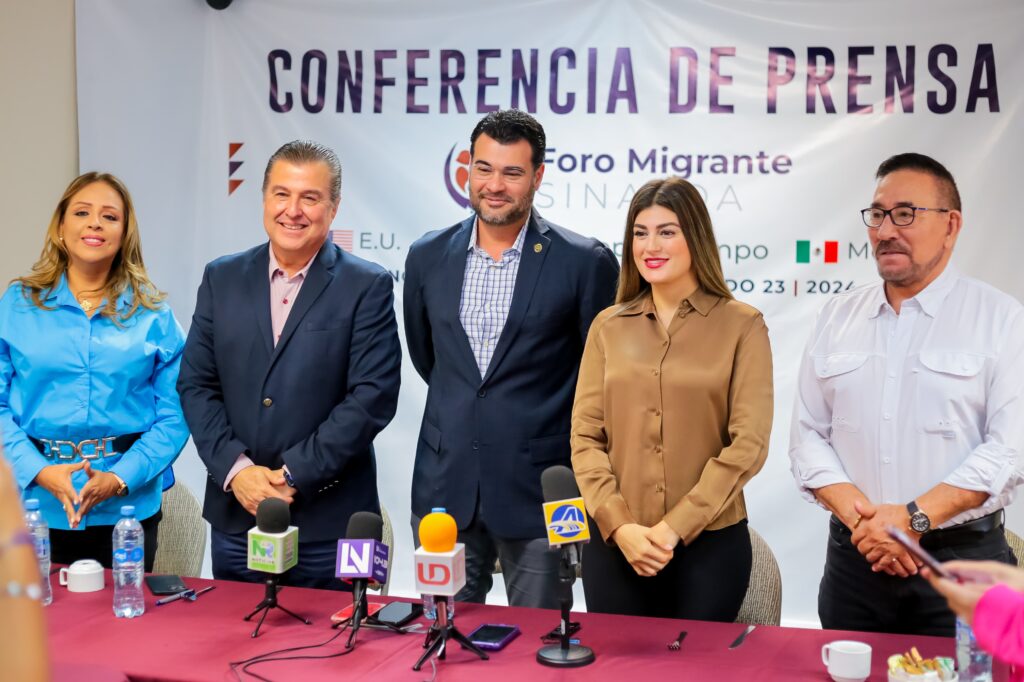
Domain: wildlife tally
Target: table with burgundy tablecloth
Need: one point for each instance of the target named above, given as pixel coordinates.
(197, 641)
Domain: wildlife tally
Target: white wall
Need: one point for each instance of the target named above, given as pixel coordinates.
(38, 123)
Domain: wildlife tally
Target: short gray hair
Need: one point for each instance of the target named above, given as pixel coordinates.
(301, 152)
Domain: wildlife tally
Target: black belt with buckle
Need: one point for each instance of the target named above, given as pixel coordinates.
(962, 533)
(90, 448)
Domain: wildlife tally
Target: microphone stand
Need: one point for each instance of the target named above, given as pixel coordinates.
(359, 609)
(270, 602)
(440, 632)
(565, 654)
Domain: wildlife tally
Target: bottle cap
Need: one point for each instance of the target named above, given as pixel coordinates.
(128, 510)
(31, 504)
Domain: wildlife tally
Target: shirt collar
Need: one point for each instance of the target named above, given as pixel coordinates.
(517, 246)
(274, 267)
(700, 301)
(929, 299)
(62, 296)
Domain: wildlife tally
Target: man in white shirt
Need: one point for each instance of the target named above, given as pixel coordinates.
(909, 411)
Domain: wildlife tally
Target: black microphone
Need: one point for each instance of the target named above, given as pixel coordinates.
(566, 519)
(362, 525)
(273, 547)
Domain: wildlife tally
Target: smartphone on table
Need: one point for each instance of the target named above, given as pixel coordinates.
(344, 614)
(494, 637)
(399, 613)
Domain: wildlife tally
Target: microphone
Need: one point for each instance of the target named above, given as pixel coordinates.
(440, 561)
(565, 517)
(273, 547)
(362, 557)
(441, 573)
(273, 543)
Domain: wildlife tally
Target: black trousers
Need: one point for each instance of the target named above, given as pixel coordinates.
(97, 542)
(705, 580)
(853, 597)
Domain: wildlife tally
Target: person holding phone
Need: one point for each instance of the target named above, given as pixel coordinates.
(89, 355)
(991, 599)
(672, 418)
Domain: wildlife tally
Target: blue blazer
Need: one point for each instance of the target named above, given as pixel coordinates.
(493, 436)
(314, 402)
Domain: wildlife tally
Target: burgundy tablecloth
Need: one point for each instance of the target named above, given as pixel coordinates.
(196, 641)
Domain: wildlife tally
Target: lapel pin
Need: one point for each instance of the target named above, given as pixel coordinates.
(537, 248)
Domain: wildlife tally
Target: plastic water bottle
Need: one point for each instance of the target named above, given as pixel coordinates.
(430, 607)
(129, 554)
(429, 600)
(40, 531)
(973, 663)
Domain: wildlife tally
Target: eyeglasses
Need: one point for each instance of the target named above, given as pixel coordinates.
(901, 216)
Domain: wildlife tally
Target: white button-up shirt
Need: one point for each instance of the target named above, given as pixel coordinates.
(898, 403)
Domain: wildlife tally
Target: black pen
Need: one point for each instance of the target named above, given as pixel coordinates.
(173, 597)
(195, 595)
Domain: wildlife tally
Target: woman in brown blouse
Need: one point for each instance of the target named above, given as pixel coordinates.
(672, 417)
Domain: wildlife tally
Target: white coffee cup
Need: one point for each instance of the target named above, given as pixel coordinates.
(85, 575)
(847, 661)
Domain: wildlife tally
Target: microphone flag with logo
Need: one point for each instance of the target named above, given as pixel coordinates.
(440, 561)
(361, 554)
(273, 544)
(362, 557)
(565, 516)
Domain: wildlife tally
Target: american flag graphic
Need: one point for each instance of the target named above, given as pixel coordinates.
(342, 238)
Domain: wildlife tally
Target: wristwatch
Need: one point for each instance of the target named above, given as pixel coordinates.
(288, 477)
(919, 521)
(123, 490)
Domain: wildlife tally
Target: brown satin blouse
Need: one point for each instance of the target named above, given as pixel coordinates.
(670, 424)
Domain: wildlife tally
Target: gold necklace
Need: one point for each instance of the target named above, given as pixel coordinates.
(85, 303)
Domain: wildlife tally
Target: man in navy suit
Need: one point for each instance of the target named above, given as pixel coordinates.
(291, 368)
(497, 310)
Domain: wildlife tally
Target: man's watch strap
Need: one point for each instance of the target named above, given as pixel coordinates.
(288, 477)
(123, 490)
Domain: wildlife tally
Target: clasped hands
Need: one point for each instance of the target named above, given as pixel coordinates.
(56, 479)
(873, 541)
(255, 483)
(647, 549)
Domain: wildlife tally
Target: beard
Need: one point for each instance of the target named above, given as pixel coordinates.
(909, 274)
(510, 214)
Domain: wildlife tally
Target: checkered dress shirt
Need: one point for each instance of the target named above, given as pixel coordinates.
(487, 296)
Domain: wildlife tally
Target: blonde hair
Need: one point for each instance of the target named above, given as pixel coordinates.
(126, 272)
(683, 199)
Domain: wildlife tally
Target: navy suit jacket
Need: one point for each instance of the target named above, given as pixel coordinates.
(493, 436)
(314, 402)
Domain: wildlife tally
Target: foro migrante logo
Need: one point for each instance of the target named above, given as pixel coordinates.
(456, 176)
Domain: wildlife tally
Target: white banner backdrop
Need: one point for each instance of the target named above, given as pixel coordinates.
(779, 111)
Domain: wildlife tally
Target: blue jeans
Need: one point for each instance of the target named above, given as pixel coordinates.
(229, 552)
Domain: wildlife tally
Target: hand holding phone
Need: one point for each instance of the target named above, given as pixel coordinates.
(931, 562)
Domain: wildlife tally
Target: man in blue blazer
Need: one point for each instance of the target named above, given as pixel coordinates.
(291, 368)
(497, 310)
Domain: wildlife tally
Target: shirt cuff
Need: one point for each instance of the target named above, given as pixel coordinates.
(242, 462)
(612, 514)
